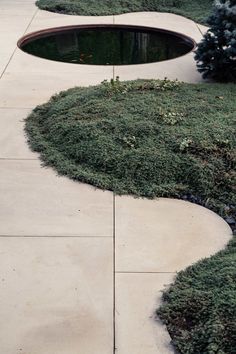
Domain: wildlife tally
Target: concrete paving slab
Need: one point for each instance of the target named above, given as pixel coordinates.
(165, 235)
(56, 296)
(183, 68)
(137, 298)
(11, 31)
(4, 59)
(44, 19)
(22, 90)
(19, 8)
(35, 202)
(8, 44)
(13, 143)
(9, 38)
(166, 21)
(15, 21)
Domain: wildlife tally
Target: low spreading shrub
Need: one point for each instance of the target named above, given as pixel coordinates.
(199, 309)
(147, 138)
(197, 10)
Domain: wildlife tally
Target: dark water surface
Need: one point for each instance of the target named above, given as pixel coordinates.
(108, 46)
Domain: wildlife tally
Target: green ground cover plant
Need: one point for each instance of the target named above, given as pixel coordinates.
(199, 309)
(146, 138)
(197, 10)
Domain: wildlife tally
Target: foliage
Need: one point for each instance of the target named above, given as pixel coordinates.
(116, 86)
(147, 138)
(197, 10)
(199, 309)
(216, 53)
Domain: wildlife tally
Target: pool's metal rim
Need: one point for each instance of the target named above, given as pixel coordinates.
(54, 30)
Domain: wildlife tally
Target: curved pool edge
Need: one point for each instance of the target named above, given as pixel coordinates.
(33, 36)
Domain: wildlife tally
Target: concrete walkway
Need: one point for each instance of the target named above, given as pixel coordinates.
(81, 270)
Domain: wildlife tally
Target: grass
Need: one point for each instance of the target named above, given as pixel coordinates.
(197, 10)
(200, 307)
(157, 138)
(146, 138)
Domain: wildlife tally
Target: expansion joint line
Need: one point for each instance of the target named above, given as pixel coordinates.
(4, 70)
(34, 15)
(114, 273)
(199, 29)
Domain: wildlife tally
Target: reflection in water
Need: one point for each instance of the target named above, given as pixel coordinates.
(109, 46)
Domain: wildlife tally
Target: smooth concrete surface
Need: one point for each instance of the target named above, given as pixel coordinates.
(26, 90)
(138, 330)
(161, 20)
(36, 202)
(12, 138)
(82, 271)
(165, 235)
(44, 19)
(52, 299)
(182, 69)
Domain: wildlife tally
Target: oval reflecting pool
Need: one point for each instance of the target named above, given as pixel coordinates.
(106, 44)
